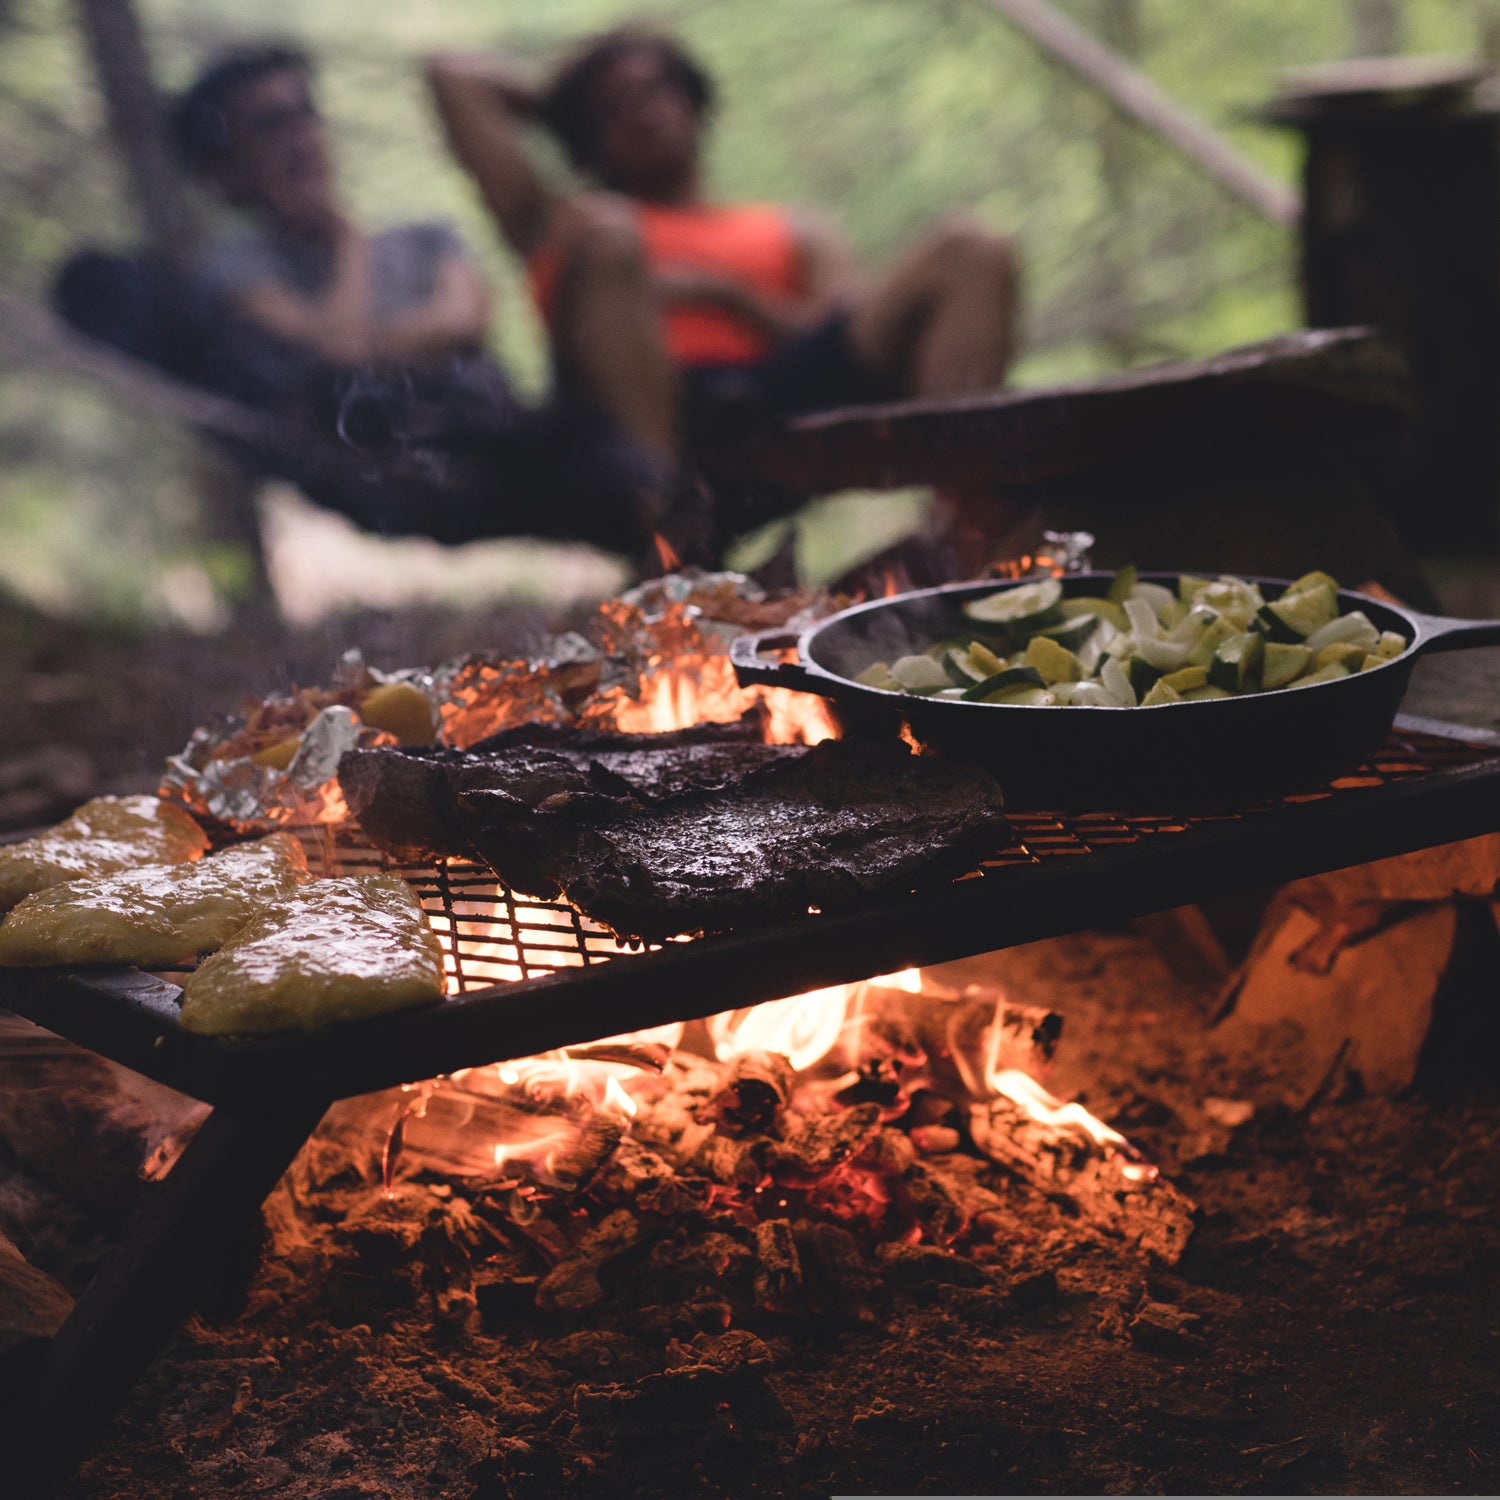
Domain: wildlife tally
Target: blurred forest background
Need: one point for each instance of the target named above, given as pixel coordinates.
(883, 112)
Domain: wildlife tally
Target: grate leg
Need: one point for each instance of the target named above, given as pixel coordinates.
(167, 1264)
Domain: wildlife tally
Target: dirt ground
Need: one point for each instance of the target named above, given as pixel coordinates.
(1333, 1328)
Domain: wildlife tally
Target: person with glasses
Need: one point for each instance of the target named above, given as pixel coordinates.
(303, 269)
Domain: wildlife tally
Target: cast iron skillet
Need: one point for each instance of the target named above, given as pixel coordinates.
(1223, 751)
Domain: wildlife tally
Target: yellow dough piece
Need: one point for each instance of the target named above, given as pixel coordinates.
(154, 916)
(338, 950)
(103, 836)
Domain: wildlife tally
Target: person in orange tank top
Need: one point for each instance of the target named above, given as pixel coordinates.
(679, 316)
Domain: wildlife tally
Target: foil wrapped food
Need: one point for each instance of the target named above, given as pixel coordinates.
(651, 659)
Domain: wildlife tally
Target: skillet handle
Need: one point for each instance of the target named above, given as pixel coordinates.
(1442, 634)
(749, 669)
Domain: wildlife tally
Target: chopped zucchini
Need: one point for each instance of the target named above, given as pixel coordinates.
(1143, 644)
(1282, 662)
(1215, 633)
(1122, 585)
(1028, 605)
(1347, 652)
(1294, 617)
(1071, 633)
(1026, 697)
(1104, 609)
(972, 664)
(878, 675)
(1011, 677)
(1055, 663)
(1186, 678)
(1312, 580)
(1141, 675)
(1236, 664)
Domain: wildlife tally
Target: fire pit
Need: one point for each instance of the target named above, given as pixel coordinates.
(531, 977)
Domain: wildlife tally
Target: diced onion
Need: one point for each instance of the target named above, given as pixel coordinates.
(1355, 627)
(1117, 684)
(1160, 599)
(1165, 656)
(1143, 622)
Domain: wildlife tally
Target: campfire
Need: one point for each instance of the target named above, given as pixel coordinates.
(889, 1117)
(882, 1113)
(670, 1214)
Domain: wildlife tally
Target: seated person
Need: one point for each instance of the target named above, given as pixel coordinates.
(680, 315)
(375, 337)
(407, 295)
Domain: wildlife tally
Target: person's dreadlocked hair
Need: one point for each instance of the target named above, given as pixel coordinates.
(198, 120)
(568, 106)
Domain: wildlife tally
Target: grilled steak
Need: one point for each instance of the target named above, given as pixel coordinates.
(824, 827)
(406, 800)
(656, 835)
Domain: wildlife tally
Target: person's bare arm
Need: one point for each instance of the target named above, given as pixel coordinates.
(484, 103)
(453, 320)
(829, 278)
(336, 324)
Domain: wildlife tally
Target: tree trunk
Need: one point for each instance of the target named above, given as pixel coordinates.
(118, 51)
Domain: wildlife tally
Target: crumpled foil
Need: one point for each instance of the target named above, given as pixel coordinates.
(243, 795)
(1069, 550)
(613, 677)
(653, 658)
(233, 790)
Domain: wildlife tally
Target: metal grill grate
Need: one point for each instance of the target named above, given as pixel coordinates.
(492, 935)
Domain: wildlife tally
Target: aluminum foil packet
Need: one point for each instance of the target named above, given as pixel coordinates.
(653, 659)
(276, 765)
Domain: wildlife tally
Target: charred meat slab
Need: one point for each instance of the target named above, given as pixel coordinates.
(659, 835)
(838, 825)
(543, 775)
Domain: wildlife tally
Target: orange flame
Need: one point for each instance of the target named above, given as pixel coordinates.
(804, 1028)
(703, 690)
(1027, 566)
(666, 553)
(1046, 1109)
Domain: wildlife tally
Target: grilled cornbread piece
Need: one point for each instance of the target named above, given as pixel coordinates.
(105, 835)
(337, 950)
(154, 916)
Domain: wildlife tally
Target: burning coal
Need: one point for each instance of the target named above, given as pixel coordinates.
(873, 1106)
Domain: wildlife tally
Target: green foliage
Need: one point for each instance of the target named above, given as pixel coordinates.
(883, 113)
